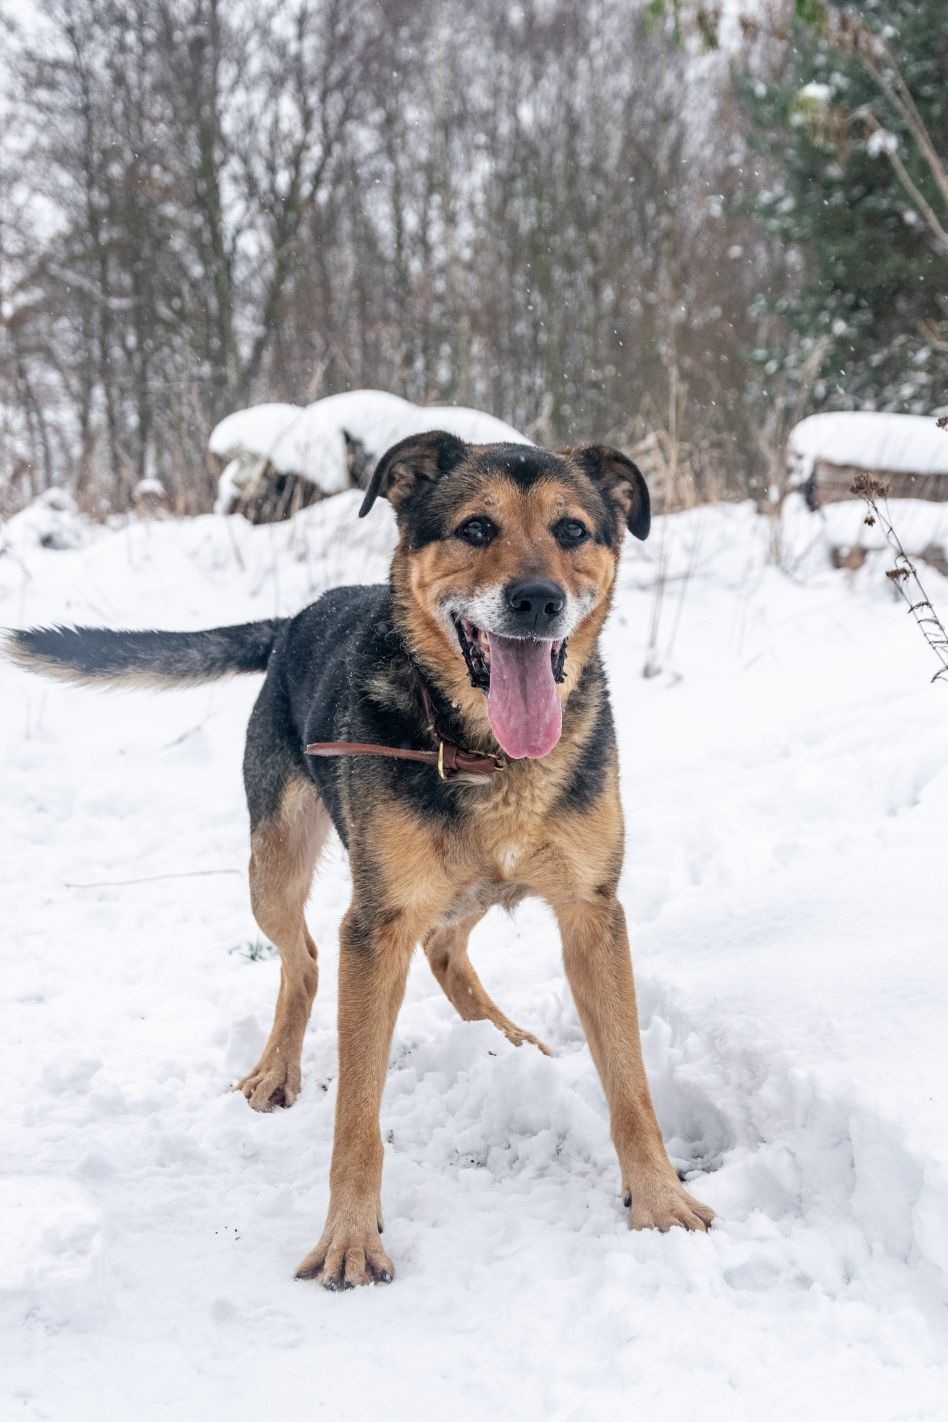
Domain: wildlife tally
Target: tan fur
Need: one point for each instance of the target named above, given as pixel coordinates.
(599, 969)
(527, 549)
(446, 950)
(283, 856)
(371, 985)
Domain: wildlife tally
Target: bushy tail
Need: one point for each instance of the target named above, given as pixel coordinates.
(98, 656)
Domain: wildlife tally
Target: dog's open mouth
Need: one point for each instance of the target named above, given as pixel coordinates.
(519, 675)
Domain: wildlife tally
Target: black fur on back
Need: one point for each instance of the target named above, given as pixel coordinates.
(90, 655)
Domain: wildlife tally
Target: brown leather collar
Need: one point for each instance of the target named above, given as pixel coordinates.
(453, 762)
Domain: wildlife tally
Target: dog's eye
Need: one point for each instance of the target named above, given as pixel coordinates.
(478, 531)
(570, 532)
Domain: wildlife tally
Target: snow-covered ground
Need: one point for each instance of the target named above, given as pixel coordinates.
(786, 788)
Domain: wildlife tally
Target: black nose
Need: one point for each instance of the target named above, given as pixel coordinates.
(535, 605)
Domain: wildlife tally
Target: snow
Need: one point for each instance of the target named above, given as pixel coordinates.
(786, 797)
(235, 476)
(149, 488)
(881, 140)
(310, 440)
(255, 431)
(472, 425)
(864, 439)
(51, 520)
(921, 525)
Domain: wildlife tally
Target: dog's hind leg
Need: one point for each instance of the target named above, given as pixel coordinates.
(446, 950)
(284, 848)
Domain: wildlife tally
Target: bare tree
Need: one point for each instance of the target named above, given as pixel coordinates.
(540, 209)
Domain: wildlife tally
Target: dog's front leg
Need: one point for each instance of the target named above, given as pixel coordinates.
(599, 968)
(374, 955)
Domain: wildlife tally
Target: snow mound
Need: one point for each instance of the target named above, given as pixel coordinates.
(475, 426)
(254, 431)
(311, 441)
(863, 439)
(51, 520)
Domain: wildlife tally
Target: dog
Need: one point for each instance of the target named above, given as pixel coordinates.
(454, 726)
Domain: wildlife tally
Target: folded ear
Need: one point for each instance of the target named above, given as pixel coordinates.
(419, 459)
(622, 481)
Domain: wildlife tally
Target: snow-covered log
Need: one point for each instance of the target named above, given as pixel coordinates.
(909, 453)
(279, 458)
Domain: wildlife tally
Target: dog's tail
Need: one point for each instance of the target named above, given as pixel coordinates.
(98, 656)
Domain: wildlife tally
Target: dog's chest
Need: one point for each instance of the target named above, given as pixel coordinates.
(502, 852)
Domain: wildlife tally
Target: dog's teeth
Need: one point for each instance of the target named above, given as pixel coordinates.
(476, 646)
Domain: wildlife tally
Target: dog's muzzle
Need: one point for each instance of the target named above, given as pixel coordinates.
(476, 646)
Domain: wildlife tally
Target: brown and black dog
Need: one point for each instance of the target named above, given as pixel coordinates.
(485, 639)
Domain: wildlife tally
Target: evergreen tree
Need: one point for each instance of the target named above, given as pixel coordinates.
(853, 191)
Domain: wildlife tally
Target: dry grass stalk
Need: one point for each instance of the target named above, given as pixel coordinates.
(904, 575)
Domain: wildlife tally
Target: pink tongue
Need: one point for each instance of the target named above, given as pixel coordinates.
(522, 705)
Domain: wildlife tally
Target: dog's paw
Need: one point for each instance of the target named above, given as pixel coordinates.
(271, 1084)
(346, 1256)
(518, 1036)
(663, 1204)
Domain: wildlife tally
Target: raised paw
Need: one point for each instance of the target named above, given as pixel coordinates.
(346, 1256)
(663, 1204)
(518, 1036)
(271, 1083)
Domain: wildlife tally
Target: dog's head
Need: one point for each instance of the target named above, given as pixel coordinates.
(504, 570)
